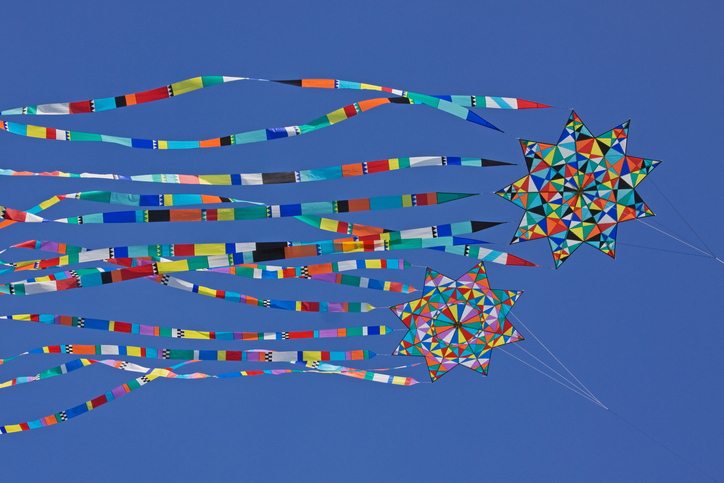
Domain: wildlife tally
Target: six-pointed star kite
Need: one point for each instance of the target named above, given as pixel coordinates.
(457, 322)
(579, 189)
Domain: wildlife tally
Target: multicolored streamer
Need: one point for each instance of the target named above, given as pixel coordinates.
(303, 176)
(452, 105)
(190, 85)
(255, 252)
(83, 408)
(327, 272)
(78, 254)
(256, 355)
(231, 214)
(76, 364)
(291, 305)
(256, 136)
(97, 276)
(156, 331)
(486, 255)
(316, 367)
(89, 277)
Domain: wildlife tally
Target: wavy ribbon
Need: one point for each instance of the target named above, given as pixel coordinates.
(171, 332)
(190, 85)
(452, 105)
(76, 364)
(122, 390)
(229, 214)
(255, 355)
(303, 176)
(76, 254)
(89, 277)
(316, 366)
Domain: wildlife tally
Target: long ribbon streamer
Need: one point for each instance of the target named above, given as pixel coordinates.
(89, 277)
(190, 85)
(156, 331)
(255, 252)
(76, 364)
(291, 305)
(122, 390)
(256, 355)
(303, 176)
(77, 254)
(235, 214)
(316, 366)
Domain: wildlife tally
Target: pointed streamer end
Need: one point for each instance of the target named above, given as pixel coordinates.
(483, 225)
(492, 162)
(523, 104)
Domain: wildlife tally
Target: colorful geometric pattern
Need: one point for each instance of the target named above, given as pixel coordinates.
(457, 322)
(579, 189)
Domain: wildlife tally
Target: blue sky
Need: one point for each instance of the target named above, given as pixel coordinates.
(642, 332)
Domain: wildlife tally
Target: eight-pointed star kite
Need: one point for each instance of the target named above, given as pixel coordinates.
(457, 322)
(579, 189)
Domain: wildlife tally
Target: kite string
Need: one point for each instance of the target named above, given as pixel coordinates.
(574, 389)
(661, 444)
(546, 365)
(595, 400)
(557, 360)
(663, 250)
(710, 255)
(684, 220)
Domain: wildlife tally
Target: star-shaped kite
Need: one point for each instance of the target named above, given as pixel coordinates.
(579, 189)
(457, 322)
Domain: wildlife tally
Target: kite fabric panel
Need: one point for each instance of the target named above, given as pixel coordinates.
(303, 176)
(156, 331)
(233, 214)
(457, 322)
(579, 189)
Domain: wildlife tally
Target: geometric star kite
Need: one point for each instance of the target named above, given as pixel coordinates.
(578, 190)
(457, 322)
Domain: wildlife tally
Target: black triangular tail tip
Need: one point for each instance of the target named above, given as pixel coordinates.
(294, 82)
(400, 100)
(491, 162)
(483, 225)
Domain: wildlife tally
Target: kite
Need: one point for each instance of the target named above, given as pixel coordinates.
(457, 322)
(579, 190)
